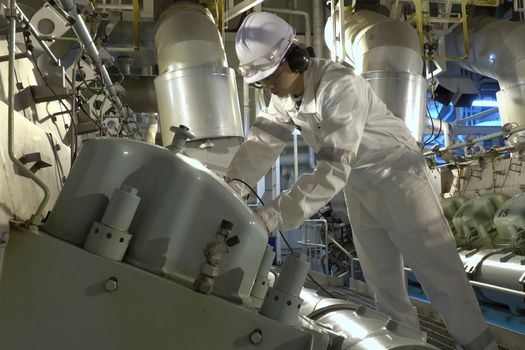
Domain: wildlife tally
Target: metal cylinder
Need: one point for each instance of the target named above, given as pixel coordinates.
(291, 278)
(196, 88)
(386, 53)
(204, 99)
(360, 327)
(404, 94)
(262, 282)
(121, 208)
(282, 302)
(504, 270)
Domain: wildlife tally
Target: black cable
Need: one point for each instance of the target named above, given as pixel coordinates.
(230, 179)
(440, 121)
(426, 142)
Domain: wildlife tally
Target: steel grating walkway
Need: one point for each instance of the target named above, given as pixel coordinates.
(437, 334)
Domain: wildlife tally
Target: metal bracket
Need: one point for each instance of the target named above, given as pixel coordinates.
(45, 94)
(474, 261)
(37, 159)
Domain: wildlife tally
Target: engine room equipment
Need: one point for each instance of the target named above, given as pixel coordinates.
(510, 223)
(386, 53)
(149, 298)
(501, 270)
(450, 206)
(196, 87)
(473, 221)
(182, 204)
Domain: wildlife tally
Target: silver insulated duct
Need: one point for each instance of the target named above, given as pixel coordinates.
(497, 50)
(386, 53)
(195, 88)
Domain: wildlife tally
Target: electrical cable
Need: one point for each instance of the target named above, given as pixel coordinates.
(426, 142)
(230, 179)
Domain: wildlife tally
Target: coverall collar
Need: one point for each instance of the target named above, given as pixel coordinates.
(310, 82)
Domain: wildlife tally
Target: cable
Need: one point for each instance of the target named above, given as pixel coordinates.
(230, 179)
(426, 142)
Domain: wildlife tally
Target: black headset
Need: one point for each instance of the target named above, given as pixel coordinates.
(298, 58)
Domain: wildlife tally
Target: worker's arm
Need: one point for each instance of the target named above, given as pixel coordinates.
(343, 121)
(265, 141)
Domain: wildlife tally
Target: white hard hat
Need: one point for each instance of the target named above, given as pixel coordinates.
(261, 43)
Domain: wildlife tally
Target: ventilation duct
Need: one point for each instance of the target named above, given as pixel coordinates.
(497, 51)
(386, 53)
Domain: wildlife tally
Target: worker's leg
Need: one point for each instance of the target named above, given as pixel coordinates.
(381, 263)
(421, 233)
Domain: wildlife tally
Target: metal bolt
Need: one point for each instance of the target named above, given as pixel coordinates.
(111, 284)
(256, 337)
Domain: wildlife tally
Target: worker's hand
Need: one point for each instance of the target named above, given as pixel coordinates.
(261, 219)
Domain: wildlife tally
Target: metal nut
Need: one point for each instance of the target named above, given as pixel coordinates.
(256, 337)
(111, 284)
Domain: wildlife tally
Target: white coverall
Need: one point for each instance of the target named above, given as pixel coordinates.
(393, 210)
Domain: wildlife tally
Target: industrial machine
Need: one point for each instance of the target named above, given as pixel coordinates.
(117, 230)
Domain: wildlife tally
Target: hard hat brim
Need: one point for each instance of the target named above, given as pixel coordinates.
(260, 75)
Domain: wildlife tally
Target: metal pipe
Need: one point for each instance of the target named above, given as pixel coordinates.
(478, 115)
(17, 56)
(81, 30)
(241, 7)
(497, 50)
(295, 158)
(318, 27)
(37, 217)
(193, 68)
(386, 53)
(482, 285)
(306, 15)
(483, 138)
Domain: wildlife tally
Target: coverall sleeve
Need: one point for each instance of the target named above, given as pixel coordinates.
(341, 129)
(265, 141)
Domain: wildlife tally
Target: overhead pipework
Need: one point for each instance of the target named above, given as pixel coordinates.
(81, 30)
(195, 87)
(386, 53)
(497, 50)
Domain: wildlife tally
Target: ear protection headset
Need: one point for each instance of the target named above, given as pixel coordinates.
(298, 58)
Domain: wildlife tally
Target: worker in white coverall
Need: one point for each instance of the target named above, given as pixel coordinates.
(393, 210)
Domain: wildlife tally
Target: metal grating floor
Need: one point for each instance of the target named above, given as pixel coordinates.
(437, 334)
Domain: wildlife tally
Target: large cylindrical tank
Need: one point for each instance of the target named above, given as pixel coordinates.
(510, 223)
(182, 205)
(473, 221)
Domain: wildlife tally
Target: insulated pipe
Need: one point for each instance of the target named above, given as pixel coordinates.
(386, 53)
(317, 27)
(497, 50)
(37, 217)
(179, 48)
(361, 327)
(196, 88)
(81, 30)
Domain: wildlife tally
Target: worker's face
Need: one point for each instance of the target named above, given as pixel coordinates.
(282, 82)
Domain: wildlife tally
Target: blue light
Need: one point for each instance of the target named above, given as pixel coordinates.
(484, 103)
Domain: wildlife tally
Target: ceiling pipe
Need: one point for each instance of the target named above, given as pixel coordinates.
(82, 32)
(497, 50)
